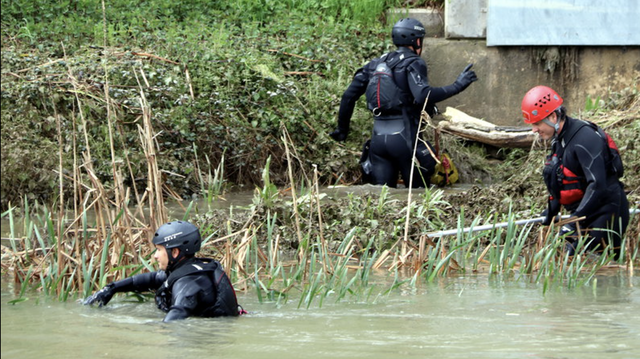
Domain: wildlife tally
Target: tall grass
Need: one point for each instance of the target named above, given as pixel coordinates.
(317, 272)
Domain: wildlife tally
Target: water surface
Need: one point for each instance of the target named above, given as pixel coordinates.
(476, 316)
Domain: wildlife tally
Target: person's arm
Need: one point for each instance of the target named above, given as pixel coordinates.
(184, 298)
(351, 95)
(139, 282)
(420, 89)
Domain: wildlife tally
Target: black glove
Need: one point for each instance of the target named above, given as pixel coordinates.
(102, 297)
(568, 231)
(553, 208)
(339, 134)
(465, 78)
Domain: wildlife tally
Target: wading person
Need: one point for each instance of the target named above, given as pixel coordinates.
(396, 86)
(582, 173)
(185, 285)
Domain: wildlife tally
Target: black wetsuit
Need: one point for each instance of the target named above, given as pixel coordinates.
(394, 132)
(587, 186)
(188, 290)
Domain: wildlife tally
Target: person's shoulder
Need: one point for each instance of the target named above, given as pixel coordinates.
(415, 63)
(190, 284)
(584, 130)
(160, 276)
(585, 136)
(371, 64)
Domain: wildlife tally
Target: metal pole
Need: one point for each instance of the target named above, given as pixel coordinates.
(488, 227)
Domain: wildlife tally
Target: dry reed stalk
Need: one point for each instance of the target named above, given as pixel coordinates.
(157, 210)
(276, 245)
(74, 83)
(423, 116)
(117, 183)
(296, 214)
(325, 247)
(133, 181)
(381, 259)
(223, 238)
(61, 190)
(484, 253)
(420, 258)
(101, 203)
(241, 250)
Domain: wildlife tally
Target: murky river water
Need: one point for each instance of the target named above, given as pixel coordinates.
(463, 317)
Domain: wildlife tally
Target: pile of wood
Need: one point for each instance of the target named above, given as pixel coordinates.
(460, 124)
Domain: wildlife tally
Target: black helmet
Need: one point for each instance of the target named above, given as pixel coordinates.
(182, 235)
(407, 31)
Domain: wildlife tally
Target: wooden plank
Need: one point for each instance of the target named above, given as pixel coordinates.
(461, 124)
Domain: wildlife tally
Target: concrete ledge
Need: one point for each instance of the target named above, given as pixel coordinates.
(465, 19)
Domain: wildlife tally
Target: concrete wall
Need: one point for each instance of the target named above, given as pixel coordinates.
(506, 73)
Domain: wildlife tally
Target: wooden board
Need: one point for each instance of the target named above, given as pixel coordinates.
(460, 124)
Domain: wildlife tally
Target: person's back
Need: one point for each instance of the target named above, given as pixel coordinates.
(395, 130)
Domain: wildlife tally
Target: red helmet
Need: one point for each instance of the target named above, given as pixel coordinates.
(539, 103)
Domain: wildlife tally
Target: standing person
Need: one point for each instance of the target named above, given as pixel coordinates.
(397, 111)
(185, 285)
(582, 173)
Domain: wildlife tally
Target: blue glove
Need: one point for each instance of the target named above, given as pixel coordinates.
(101, 297)
(465, 78)
(339, 134)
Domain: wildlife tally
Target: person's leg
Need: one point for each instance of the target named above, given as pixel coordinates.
(422, 175)
(365, 162)
(383, 169)
(607, 227)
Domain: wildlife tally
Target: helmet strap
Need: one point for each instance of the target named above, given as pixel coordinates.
(173, 260)
(556, 126)
(418, 46)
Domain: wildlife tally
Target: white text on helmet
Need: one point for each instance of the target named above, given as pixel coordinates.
(173, 236)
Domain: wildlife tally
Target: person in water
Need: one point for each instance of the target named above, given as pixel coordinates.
(396, 117)
(582, 173)
(184, 285)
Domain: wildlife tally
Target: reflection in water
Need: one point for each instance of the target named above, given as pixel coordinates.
(462, 317)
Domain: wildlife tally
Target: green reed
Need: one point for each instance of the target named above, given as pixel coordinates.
(212, 186)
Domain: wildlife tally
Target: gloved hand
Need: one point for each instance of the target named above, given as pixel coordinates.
(339, 134)
(465, 78)
(571, 241)
(567, 231)
(553, 208)
(102, 297)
